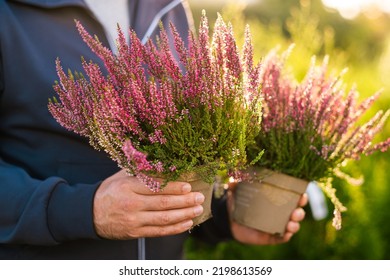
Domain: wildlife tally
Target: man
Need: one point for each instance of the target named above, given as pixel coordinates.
(60, 198)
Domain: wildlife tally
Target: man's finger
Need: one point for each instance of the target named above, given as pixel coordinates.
(160, 202)
(303, 200)
(171, 217)
(172, 188)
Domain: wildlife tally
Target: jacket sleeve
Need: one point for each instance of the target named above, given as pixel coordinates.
(43, 212)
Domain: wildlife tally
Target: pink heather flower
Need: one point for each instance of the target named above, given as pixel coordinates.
(166, 107)
(159, 167)
(72, 112)
(136, 157)
(102, 52)
(311, 128)
(157, 137)
(150, 182)
(337, 220)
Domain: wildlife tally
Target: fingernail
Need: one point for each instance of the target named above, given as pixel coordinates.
(188, 224)
(299, 214)
(186, 188)
(199, 198)
(198, 210)
(302, 214)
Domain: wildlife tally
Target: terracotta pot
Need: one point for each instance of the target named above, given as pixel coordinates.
(198, 185)
(266, 204)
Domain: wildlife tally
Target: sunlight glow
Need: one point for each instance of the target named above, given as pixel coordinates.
(351, 8)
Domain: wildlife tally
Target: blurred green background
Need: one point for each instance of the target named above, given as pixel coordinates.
(360, 42)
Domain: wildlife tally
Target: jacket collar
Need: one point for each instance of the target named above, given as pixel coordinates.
(51, 3)
(60, 3)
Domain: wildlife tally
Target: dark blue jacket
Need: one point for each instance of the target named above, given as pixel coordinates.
(48, 176)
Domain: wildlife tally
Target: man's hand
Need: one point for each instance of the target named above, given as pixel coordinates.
(125, 208)
(252, 236)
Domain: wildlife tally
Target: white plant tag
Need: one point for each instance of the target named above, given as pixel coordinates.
(317, 201)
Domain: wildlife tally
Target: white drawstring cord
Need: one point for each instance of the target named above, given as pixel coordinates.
(157, 19)
(141, 249)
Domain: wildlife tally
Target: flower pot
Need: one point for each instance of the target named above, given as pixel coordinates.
(266, 203)
(198, 185)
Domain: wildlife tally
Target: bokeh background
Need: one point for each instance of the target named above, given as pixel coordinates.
(356, 35)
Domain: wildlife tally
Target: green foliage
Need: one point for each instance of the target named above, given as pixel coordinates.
(289, 153)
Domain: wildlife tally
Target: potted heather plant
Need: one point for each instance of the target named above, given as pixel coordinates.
(163, 119)
(309, 130)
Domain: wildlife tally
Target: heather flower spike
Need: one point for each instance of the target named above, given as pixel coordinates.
(310, 129)
(158, 116)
